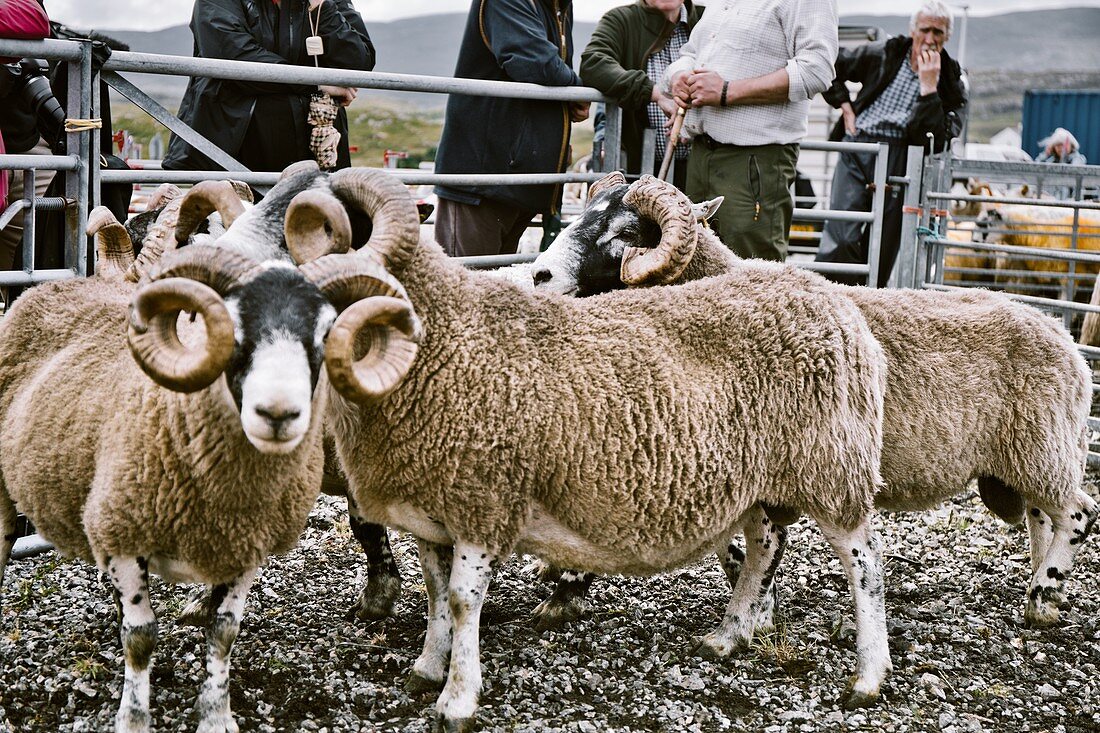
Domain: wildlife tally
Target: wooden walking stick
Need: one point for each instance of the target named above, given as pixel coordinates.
(673, 138)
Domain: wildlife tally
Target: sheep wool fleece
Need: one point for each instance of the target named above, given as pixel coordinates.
(105, 462)
(634, 427)
(977, 385)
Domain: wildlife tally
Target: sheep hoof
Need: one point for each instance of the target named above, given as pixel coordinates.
(454, 725)
(376, 600)
(550, 615)
(707, 648)
(418, 684)
(854, 699)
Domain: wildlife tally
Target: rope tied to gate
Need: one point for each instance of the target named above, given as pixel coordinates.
(83, 125)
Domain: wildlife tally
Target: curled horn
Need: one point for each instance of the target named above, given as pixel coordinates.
(158, 240)
(195, 280)
(201, 201)
(614, 178)
(387, 202)
(165, 192)
(114, 250)
(307, 236)
(671, 209)
(295, 168)
(376, 320)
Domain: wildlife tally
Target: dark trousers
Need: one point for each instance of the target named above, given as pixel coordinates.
(849, 241)
(755, 218)
(489, 228)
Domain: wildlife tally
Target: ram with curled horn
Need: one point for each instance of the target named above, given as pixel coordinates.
(596, 433)
(190, 450)
(942, 427)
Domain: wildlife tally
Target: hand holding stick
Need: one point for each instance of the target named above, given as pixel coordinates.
(673, 138)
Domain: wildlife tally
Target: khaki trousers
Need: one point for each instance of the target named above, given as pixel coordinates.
(755, 218)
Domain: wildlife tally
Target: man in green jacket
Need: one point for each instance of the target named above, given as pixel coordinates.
(629, 51)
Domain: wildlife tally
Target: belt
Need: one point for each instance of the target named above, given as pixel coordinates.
(710, 143)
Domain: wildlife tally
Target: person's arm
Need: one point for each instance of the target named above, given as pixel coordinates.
(944, 118)
(347, 43)
(221, 32)
(516, 35)
(849, 66)
(812, 31)
(602, 64)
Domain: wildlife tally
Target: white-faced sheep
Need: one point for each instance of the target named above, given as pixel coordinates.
(978, 386)
(627, 434)
(201, 472)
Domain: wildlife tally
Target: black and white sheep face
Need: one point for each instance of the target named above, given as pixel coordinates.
(281, 321)
(586, 257)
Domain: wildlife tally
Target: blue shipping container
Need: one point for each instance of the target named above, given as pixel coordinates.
(1076, 110)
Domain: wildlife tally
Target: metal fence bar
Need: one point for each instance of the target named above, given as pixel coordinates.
(1064, 255)
(1029, 299)
(1052, 203)
(161, 114)
(906, 266)
(289, 74)
(878, 206)
(45, 162)
(24, 277)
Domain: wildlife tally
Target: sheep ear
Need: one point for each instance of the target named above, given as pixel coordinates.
(706, 209)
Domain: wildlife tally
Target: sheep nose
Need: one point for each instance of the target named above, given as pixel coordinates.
(542, 276)
(278, 416)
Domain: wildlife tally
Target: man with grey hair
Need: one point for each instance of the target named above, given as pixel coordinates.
(911, 89)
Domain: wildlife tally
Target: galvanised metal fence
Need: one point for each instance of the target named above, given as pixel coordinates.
(83, 174)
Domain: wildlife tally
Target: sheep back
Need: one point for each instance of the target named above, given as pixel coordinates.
(105, 462)
(977, 385)
(645, 421)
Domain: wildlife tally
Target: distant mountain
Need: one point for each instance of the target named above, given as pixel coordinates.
(1035, 41)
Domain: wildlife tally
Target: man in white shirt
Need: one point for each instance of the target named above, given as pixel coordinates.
(747, 75)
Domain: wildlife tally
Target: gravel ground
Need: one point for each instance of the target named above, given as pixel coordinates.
(956, 581)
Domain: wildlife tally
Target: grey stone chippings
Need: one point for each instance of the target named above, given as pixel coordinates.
(956, 582)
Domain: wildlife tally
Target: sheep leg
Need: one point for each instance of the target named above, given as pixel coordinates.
(470, 575)
(1071, 526)
(378, 596)
(1039, 530)
(566, 603)
(7, 534)
(138, 632)
(858, 550)
(430, 669)
(227, 603)
(752, 603)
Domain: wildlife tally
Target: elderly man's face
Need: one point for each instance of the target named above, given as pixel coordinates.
(930, 33)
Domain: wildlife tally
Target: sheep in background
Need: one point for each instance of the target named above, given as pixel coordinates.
(978, 386)
(202, 471)
(1045, 227)
(602, 434)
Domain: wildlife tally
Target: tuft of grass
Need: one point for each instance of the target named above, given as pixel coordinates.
(89, 668)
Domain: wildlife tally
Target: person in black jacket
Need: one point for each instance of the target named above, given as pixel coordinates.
(263, 124)
(506, 40)
(911, 87)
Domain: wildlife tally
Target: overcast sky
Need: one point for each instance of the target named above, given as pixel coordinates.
(156, 14)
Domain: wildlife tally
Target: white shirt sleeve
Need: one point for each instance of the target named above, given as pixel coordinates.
(814, 47)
